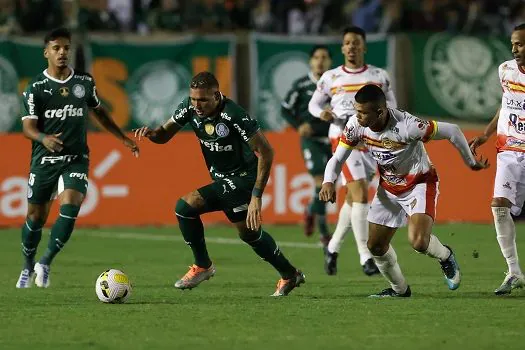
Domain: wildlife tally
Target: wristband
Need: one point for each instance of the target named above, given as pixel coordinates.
(41, 137)
(257, 192)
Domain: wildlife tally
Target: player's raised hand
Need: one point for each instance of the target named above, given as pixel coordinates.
(327, 115)
(53, 143)
(129, 143)
(253, 218)
(476, 142)
(143, 131)
(327, 193)
(480, 164)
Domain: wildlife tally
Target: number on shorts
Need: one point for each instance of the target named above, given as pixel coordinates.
(307, 154)
(31, 179)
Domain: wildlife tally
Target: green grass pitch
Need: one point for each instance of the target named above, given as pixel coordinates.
(234, 310)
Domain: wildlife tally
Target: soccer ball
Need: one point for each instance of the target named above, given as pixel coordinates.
(113, 286)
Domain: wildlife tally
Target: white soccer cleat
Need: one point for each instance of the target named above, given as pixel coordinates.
(509, 283)
(42, 275)
(26, 279)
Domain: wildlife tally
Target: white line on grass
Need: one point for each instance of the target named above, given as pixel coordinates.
(174, 238)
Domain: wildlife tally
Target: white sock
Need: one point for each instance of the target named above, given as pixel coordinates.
(360, 228)
(390, 269)
(436, 249)
(343, 225)
(506, 235)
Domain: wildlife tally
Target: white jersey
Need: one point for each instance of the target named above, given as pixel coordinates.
(339, 85)
(398, 150)
(511, 122)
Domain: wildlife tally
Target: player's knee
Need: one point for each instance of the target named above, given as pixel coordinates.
(69, 211)
(420, 243)
(37, 214)
(248, 236)
(377, 248)
(184, 210)
(500, 202)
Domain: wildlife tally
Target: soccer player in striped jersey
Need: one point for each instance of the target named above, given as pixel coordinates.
(338, 87)
(408, 186)
(509, 185)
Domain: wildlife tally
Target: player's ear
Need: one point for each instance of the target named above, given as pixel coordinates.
(218, 95)
(45, 52)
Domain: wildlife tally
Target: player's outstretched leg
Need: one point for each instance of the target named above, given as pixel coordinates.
(389, 268)
(192, 230)
(265, 247)
(342, 227)
(386, 260)
(423, 241)
(31, 235)
(60, 234)
(506, 235)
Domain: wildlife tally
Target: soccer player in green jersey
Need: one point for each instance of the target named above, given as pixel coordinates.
(56, 116)
(239, 159)
(314, 136)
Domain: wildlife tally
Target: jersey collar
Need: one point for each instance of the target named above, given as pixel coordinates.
(58, 80)
(312, 77)
(354, 71)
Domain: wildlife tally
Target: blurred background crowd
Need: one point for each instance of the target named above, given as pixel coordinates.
(271, 16)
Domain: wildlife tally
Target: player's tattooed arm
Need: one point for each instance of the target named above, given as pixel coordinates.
(103, 117)
(160, 135)
(259, 144)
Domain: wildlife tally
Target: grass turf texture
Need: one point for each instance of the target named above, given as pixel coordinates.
(234, 311)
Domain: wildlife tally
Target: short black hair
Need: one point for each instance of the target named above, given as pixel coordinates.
(355, 30)
(519, 27)
(204, 80)
(57, 33)
(370, 93)
(320, 47)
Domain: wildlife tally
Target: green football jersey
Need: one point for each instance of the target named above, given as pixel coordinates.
(295, 106)
(223, 139)
(61, 106)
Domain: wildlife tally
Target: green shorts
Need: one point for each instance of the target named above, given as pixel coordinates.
(50, 176)
(231, 195)
(315, 154)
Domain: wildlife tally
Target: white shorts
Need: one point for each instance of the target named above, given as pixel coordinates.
(359, 165)
(510, 179)
(390, 210)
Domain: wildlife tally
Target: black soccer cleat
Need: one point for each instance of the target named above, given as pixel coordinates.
(370, 268)
(390, 293)
(330, 263)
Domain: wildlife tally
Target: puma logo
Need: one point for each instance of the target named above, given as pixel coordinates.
(50, 91)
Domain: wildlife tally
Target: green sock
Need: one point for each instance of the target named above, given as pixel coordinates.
(268, 250)
(319, 209)
(190, 225)
(323, 226)
(31, 235)
(60, 232)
